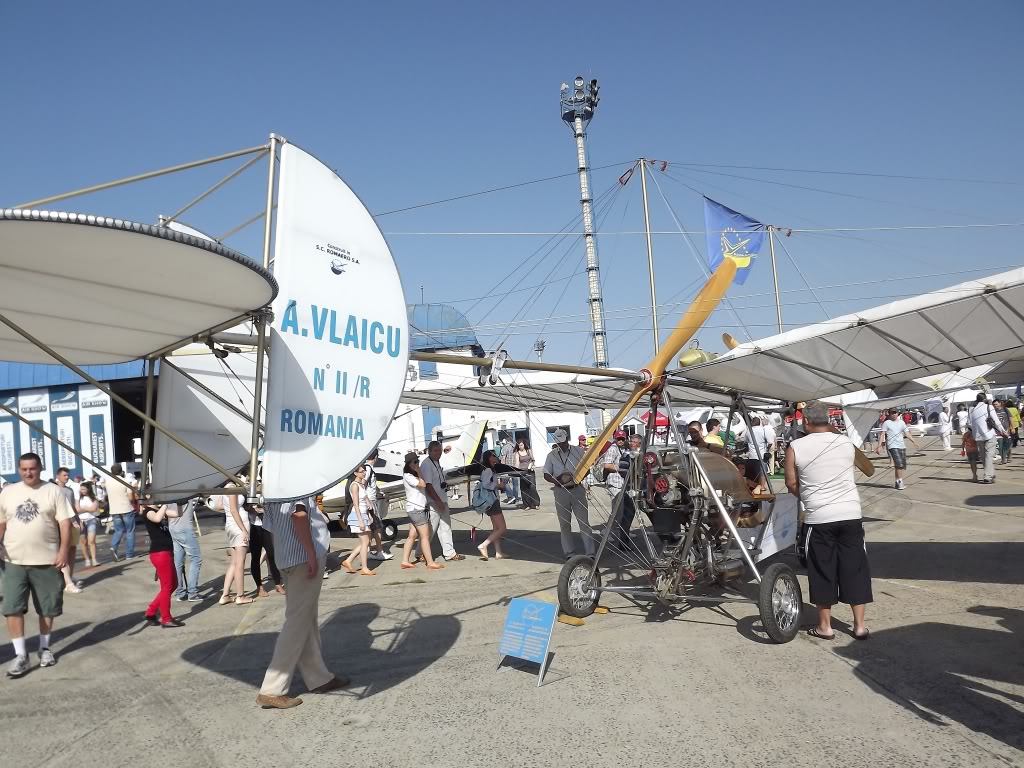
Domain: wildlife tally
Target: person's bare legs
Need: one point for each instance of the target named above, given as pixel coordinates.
(428, 556)
(825, 619)
(410, 540)
(16, 627)
(974, 470)
(498, 530)
(858, 620)
(364, 551)
(238, 564)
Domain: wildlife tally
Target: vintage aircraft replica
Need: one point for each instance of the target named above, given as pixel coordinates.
(698, 534)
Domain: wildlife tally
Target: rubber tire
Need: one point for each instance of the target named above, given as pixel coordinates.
(389, 530)
(775, 572)
(564, 603)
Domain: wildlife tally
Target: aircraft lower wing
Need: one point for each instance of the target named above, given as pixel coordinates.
(975, 323)
(546, 391)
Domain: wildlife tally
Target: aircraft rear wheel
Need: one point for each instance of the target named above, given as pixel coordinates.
(577, 597)
(780, 602)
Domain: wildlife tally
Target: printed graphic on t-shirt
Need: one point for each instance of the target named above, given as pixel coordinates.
(27, 511)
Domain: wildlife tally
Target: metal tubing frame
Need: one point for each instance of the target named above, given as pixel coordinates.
(34, 426)
(147, 431)
(165, 220)
(745, 413)
(214, 491)
(261, 327)
(200, 336)
(526, 365)
(141, 177)
(117, 398)
(193, 380)
(650, 255)
(726, 518)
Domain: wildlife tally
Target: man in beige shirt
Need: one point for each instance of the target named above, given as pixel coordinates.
(122, 512)
(35, 531)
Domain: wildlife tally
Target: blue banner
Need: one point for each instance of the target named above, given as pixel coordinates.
(732, 235)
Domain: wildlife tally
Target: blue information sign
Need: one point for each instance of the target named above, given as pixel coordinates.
(527, 632)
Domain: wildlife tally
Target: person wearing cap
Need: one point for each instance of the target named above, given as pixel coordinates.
(581, 441)
(570, 498)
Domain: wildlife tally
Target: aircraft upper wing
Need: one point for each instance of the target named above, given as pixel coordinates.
(972, 324)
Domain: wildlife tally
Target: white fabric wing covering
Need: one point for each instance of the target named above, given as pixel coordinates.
(970, 324)
(202, 421)
(101, 290)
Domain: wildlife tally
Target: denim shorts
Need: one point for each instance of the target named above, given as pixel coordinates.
(417, 516)
(90, 526)
(899, 457)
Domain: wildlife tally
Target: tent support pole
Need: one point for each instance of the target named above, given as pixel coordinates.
(147, 431)
(118, 399)
(141, 177)
(35, 427)
(775, 276)
(261, 325)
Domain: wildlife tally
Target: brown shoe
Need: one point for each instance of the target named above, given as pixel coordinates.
(277, 702)
(332, 685)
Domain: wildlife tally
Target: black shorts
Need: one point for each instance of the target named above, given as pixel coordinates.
(899, 457)
(837, 563)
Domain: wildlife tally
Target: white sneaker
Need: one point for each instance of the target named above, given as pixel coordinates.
(386, 556)
(18, 667)
(46, 658)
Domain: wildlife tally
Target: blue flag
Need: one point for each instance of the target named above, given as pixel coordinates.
(733, 235)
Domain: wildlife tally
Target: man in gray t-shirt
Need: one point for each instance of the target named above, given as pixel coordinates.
(894, 432)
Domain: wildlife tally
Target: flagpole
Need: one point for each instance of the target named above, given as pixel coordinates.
(775, 276)
(650, 256)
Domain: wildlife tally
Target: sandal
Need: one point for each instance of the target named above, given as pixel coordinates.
(456, 556)
(435, 566)
(243, 600)
(348, 568)
(420, 559)
(815, 633)
(407, 566)
(367, 573)
(483, 553)
(865, 636)
(224, 599)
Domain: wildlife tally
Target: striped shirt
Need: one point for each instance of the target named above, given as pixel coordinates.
(288, 551)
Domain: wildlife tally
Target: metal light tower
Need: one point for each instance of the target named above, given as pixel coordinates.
(578, 105)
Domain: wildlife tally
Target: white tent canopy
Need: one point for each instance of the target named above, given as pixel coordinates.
(101, 290)
(970, 324)
(556, 392)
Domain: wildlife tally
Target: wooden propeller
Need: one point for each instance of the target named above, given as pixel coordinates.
(691, 321)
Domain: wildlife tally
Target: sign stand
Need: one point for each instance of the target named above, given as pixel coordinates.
(527, 632)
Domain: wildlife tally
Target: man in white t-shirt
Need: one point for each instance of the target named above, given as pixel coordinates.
(761, 442)
(945, 428)
(819, 472)
(121, 499)
(35, 534)
(987, 430)
(437, 500)
(570, 499)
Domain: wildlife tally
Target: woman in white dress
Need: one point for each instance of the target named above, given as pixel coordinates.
(359, 520)
(236, 529)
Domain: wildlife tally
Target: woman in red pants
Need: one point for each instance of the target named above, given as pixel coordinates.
(161, 554)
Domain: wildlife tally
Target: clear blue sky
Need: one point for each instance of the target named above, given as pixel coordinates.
(415, 102)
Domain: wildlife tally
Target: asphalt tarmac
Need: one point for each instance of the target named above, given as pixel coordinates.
(940, 682)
